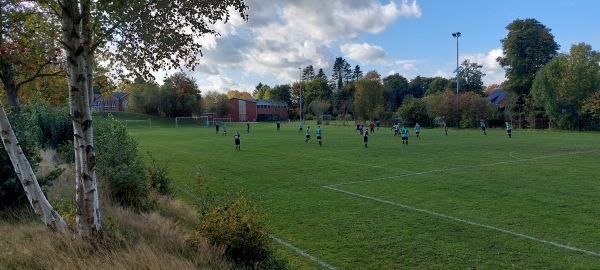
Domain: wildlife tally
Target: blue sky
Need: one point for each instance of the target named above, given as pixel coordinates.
(401, 36)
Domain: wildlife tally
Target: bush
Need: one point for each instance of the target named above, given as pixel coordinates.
(157, 177)
(234, 224)
(54, 126)
(119, 166)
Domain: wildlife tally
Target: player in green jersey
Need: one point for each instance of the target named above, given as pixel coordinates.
(404, 132)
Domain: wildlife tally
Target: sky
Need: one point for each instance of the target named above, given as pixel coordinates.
(408, 37)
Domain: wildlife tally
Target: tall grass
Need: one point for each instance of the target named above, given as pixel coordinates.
(132, 240)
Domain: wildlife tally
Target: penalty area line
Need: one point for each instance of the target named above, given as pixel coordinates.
(288, 245)
(432, 213)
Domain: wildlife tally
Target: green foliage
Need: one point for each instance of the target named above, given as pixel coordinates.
(158, 176)
(528, 46)
(471, 77)
(233, 223)
(368, 98)
(119, 166)
(144, 98)
(564, 83)
(414, 110)
(54, 126)
(217, 103)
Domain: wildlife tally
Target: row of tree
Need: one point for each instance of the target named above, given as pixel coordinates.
(542, 83)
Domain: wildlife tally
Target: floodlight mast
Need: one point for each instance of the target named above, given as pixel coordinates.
(300, 84)
(456, 35)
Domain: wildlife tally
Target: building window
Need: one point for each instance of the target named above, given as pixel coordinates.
(96, 105)
(112, 105)
(106, 105)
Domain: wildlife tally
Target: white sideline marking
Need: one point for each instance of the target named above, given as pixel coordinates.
(468, 222)
(457, 168)
(299, 251)
(521, 235)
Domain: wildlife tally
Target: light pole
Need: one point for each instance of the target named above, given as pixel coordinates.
(456, 35)
(300, 84)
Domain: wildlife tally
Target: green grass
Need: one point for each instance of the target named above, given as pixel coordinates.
(440, 203)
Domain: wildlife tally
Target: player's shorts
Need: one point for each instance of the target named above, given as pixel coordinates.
(366, 139)
(318, 137)
(483, 128)
(300, 128)
(237, 142)
(509, 131)
(418, 132)
(404, 138)
(308, 136)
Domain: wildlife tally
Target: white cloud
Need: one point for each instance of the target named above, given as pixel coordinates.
(281, 36)
(365, 53)
(494, 72)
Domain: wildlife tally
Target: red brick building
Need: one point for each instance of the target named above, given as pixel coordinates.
(115, 102)
(245, 109)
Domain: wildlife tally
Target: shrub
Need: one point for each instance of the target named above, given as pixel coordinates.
(157, 176)
(53, 125)
(119, 166)
(233, 223)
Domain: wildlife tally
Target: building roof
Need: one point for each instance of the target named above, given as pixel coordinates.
(497, 96)
(116, 95)
(262, 101)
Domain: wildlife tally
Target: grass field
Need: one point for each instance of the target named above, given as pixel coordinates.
(462, 201)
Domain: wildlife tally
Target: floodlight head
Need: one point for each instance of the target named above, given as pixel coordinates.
(457, 34)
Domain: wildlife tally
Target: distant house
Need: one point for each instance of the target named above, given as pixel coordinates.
(246, 109)
(114, 102)
(498, 97)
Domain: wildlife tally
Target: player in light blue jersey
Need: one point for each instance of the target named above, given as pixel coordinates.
(318, 131)
(404, 132)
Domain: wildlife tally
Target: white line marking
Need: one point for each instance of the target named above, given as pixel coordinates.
(457, 168)
(299, 251)
(468, 222)
(512, 156)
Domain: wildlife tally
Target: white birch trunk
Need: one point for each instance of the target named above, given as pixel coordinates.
(79, 69)
(23, 169)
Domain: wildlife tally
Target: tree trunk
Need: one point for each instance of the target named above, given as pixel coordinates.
(23, 169)
(75, 36)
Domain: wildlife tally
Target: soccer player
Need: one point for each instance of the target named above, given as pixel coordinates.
(224, 129)
(483, 127)
(360, 129)
(377, 124)
(372, 127)
(248, 127)
(207, 124)
(318, 131)
(418, 130)
(404, 136)
(446, 128)
(217, 127)
(236, 138)
(366, 139)
(300, 131)
(397, 129)
(357, 127)
(508, 129)
(307, 134)
(278, 125)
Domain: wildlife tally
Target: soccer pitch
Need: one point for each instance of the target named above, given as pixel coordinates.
(461, 201)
